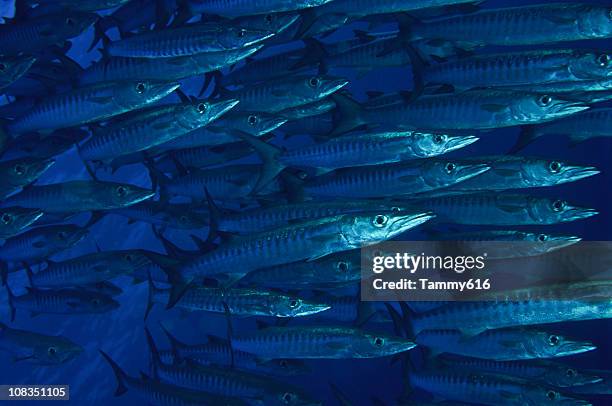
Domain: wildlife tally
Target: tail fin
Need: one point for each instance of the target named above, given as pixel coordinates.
(407, 316)
(269, 154)
(155, 359)
(119, 374)
(175, 344)
(527, 136)
(11, 297)
(158, 179)
(314, 53)
(179, 287)
(349, 115)
(100, 28)
(150, 296)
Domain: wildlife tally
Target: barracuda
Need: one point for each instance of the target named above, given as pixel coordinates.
(179, 216)
(79, 196)
(404, 178)
(306, 240)
(525, 25)
(18, 173)
(88, 104)
(240, 302)
(235, 8)
(188, 40)
(14, 219)
(503, 209)
(543, 372)
(150, 129)
(538, 305)
(320, 342)
(13, 69)
(169, 69)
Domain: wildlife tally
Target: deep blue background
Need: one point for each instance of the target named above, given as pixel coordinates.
(121, 333)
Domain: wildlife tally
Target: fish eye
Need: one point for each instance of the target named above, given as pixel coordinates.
(2, 67)
(603, 60)
(121, 191)
(202, 107)
(545, 100)
(380, 221)
(294, 303)
(63, 235)
(554, 167)
(19, 169)
(395, 209)
(6, 218)
(570, 373)
(183, 219)
(313, 82)
(553, 340)
(542, 237)
(282, 363)
(342, 266)
(52, 350)
(140, 88)
(450, 167)
(96, 302)
(439, 138)
(69, 21)
(241, 33)
(551, 395)
(302, 175)
(558, 205)
(287, 398)
(379, 341)
(269, 18)
(128, 257)
(252, 119)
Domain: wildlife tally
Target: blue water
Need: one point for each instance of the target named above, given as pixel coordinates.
(120, 333)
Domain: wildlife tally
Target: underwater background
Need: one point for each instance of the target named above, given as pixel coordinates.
(120, 333)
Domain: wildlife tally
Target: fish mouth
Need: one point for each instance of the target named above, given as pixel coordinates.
(222, 107)
(314, 308)
(567, 108)
(262, 36)
(465, 172)
(408, 221)
(42, 167)
(332, 85)
(575, 347)
(141, 196)
(573, 173)
(161, 89)
(579, 213)
(28, 218)
(78, 236)
(460, 141)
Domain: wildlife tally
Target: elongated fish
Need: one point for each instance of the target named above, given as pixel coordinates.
(521, 307)
(525, 25)
(521, 68)
(305, 240)
(503, 344)
(518, 172)
(285, 93)
(62, 301)
(319, 342)
(39, 349)
(503, 209)
(397, 179)
(160, 69)
(178, 216)
(545, 372)
(475, 109)
(42, 32)
(485, 389)
(89, 104)
(581, 127)
(236, 8)
(90, 268)
(79, 196)
(150, 129)
(240, 302)
(201, 157)
(188, 40)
